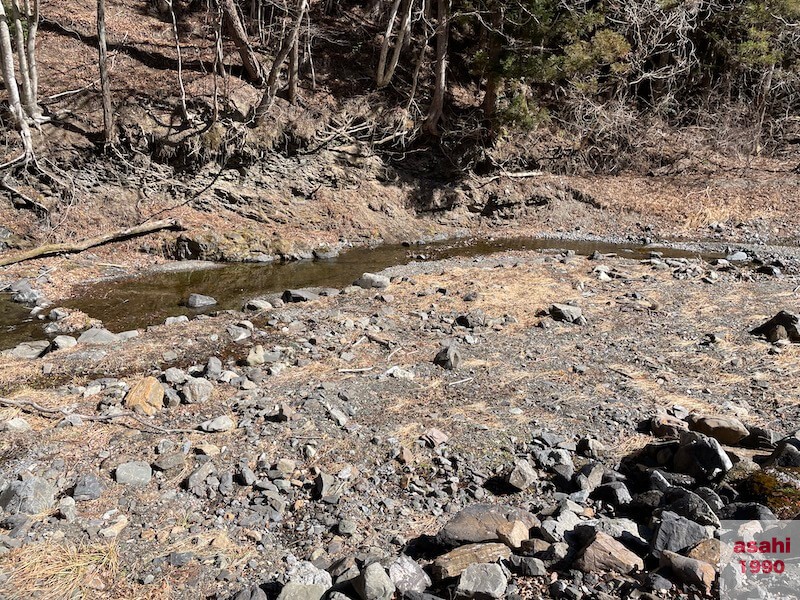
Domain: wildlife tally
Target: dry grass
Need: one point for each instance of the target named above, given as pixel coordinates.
(49, 571)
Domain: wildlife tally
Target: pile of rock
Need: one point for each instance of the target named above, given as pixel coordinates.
(591, 531)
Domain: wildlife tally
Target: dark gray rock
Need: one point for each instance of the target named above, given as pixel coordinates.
(567, 313)
(690, 505)
(746, 511)
(615, 493)
(701, 457)
(448, 357)
(676, 533)
(88, 487)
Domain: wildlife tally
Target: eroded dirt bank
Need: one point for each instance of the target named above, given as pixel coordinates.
(327, 433)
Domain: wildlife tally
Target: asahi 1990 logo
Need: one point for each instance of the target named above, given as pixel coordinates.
(759, 559)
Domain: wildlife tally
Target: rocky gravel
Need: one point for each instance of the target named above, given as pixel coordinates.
(517, 426)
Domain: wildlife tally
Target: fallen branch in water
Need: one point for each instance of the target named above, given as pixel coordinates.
(116, 236)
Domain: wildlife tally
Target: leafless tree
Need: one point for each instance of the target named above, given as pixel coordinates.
(105, 88)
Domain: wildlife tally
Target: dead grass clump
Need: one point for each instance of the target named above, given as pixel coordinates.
(51, 571)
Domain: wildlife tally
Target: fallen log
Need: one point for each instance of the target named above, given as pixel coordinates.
(71, 247)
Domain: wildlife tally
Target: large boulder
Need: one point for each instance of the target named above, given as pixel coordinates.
(726, 430)
(480, 523)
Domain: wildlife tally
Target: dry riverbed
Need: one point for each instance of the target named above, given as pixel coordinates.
(324, 431)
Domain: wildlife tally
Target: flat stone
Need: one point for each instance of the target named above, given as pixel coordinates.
(30, 350)
(299, 591)
(726, 430)
(480, 523)
(482, 582)
(146, 396)
(456, 561)
(707, 551)
(604, 553)
(136, 473)
(408, 576)
(200, 301)
(306, 573)
(170, 461)
(17, 424)
(98, 337)
(290, 296)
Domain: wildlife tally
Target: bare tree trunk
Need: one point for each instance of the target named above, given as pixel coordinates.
(33, 65)
(26, 93)
(184, 109)
(440, 69)
(237, 32)
(17, 112)
(384, 73)
(287, 44)
(294, 67)
(493, 78)
(105, 88)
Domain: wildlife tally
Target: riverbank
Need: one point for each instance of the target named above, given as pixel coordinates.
(357, 442)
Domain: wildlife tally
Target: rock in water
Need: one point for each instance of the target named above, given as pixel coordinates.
(785, 319)
(482, 582)
(371, 280)
(146, 396)
(374, 584)
(200, 301)
(448, 357)
(604, 553)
